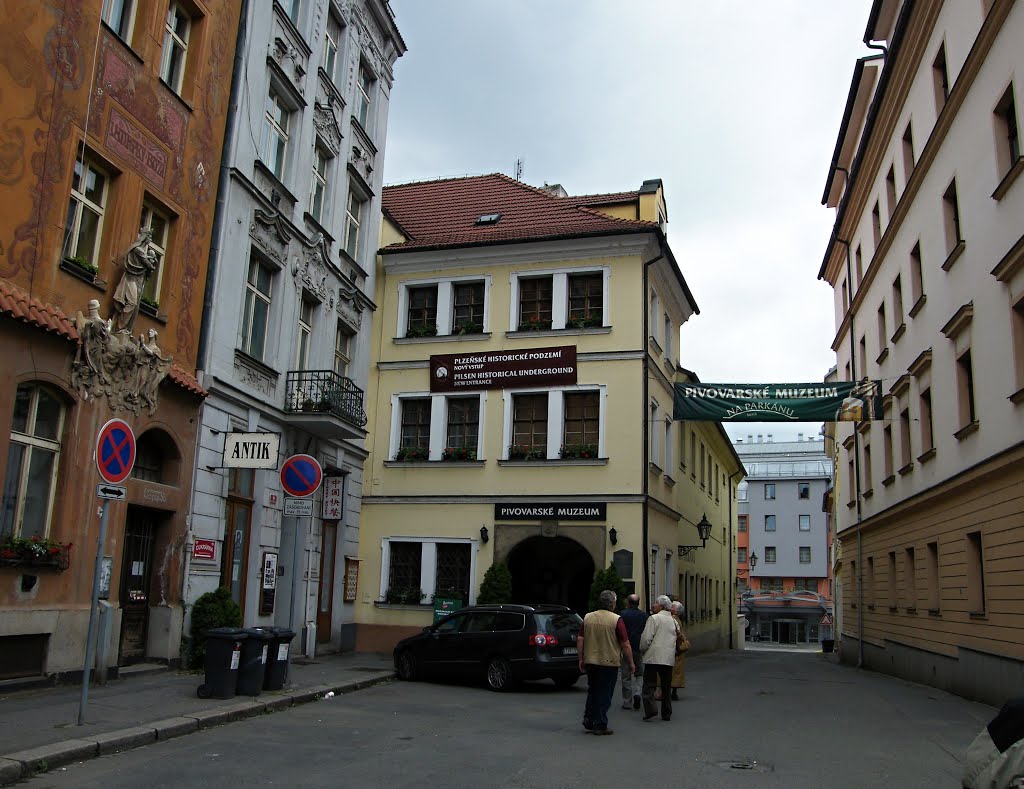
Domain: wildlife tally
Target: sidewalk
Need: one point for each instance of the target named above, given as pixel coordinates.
(41, 728)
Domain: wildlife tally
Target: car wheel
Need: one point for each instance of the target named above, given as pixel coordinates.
(499, 674)
(407, 666)
(565, 682)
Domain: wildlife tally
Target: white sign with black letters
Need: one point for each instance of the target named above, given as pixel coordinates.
(251, 450)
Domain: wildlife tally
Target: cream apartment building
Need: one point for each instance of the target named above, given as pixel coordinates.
(927, 262)
(520, 409)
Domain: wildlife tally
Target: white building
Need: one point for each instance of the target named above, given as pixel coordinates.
(288, 305)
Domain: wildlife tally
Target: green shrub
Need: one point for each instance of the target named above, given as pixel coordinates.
(608, 579)
(213, 609)
(496, 587)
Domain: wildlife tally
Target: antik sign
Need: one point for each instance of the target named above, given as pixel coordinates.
(842, 401)
(251, 450)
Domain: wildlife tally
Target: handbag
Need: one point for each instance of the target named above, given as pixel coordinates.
(682, 643)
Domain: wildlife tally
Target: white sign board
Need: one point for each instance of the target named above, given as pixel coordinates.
(296, 506)
(334, 489)
(251, 450)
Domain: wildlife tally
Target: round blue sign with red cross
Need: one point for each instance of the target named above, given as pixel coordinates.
(115, 451)
(301, 475)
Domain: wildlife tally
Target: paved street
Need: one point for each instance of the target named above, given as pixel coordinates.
(759, 718)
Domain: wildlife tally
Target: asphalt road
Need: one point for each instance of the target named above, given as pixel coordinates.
(752, 719)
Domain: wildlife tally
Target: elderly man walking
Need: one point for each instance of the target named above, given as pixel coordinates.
(635, 619)
(602, 638)
(658, 647)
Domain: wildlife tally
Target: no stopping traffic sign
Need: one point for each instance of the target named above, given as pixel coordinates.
(301, 475)
(115, 451)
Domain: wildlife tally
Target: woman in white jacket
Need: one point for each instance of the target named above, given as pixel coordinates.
(658, 646)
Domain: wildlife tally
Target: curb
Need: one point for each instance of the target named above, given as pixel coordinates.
(24, 764)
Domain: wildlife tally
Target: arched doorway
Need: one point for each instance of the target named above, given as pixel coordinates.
(551, 570)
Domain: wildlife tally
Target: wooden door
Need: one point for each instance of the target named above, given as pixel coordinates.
(324, 608)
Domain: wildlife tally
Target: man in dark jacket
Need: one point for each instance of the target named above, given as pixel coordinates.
(634, 619)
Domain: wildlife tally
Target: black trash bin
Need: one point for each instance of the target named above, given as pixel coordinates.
(254, 661)
(828, 645)
(223, 659)
(277, 659)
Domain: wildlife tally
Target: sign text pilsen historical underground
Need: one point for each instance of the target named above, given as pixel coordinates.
(503, 369)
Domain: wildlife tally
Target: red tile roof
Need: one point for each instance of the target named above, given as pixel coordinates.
(17, 304)
(439, 214)
(603, 199)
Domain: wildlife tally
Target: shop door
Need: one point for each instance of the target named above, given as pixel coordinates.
(324, 607)
(136, 573)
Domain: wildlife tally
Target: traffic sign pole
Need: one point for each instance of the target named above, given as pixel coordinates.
(90, 638)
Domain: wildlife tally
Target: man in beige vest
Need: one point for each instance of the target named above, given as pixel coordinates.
(601, 641)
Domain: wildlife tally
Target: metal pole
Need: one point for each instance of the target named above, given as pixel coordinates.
(93, 605)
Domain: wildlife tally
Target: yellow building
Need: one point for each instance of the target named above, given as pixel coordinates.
(520, 409)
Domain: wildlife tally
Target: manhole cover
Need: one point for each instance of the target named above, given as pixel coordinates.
(748, 765)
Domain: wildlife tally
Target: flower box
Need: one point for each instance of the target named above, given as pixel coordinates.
(526, 452)
(453, 454)
(583, 451)
(412, 453)
(36, 552)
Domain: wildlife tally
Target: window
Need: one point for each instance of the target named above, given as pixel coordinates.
(703, 466)
(158, 223)
(851, 478)
(769, 523)
(871, 582)
(451, 578)
(893, 586)
(582, 419)
(353, 221)
(909, 159)
(890, 192)
(862, 349)
(535, 296)
(769, 491)
(176, 30)
(910, 576)
(965, 389)
(693, 456)
(415, 427)
(530, 421)
(274, 145)
(1007, 134)
(32, 460)
(463, 423)
(806, 584)
(906, 451)
(404, 569)
(803, 490)
(235, 552)
(422, 315)
(741, 493)
(319, 191)
(876, 224)
(887, 452)
(331, 41)
(927, 433)
(255, 320)
(951, 218)
(364, 96)
(586, 299)
(883, 339)
(771, 584)
(805, 554)
(741, 522)
(916, 277)
(120, 16)
(84, 223)
(897, 305)
(741, 555)
(291, 8)
(976, 603)
(858, 257)
(846, 297)
(342, 356)
(1017, 321)
(468, 307)
(934, 593)
(940, 78)
(866, 469)
(668, 337)
(804, 522)
(769, 555)
(305, 332)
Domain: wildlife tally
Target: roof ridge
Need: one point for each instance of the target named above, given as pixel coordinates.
(595, 212)
(432, 181)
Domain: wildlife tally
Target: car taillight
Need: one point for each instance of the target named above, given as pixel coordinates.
(542, 640)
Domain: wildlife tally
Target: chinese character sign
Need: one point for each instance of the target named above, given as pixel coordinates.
(334, 502)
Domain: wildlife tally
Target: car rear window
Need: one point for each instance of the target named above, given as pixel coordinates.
(562, 624)
(507, 621)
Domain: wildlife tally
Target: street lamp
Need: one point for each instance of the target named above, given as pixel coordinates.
(613, 536)
(703, 531)
(753, 560)
(484, 536)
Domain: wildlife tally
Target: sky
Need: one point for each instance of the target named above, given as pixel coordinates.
(734, 104)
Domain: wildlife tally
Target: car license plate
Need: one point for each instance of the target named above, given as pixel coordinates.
(570, 651)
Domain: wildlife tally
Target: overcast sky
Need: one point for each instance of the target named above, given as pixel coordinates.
(734, 104)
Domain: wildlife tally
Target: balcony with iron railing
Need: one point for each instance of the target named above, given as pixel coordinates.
(325, 403)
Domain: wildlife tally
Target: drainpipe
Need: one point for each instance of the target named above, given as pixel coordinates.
(732, 593)
(646, 434)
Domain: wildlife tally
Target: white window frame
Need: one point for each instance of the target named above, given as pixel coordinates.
(252, 292)
(800, 554)
(355, 206)
(800, 520)
(32, 442)
(438, 420)
(274, 137)
(365, 88)
(556, 416)
(771, 558)
(305, 333)
(320, 183)
(158, 243)
(559, 293)
(87, 163)
(173, 40)
(119, 16)
(428, 562)
(445, 301)
(342, 350)
(332, 47)
(668, 445)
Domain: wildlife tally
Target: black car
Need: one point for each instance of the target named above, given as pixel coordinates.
(502, 643)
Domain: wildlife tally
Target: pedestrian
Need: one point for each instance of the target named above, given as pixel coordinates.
(601, 640)
(632, 680)
(658, 648)
(996, 757)
(679, 669)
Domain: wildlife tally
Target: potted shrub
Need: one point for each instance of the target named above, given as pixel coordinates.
(412, 453)
(148, 305)
(578, 451)
(468, 327)
(84, 265)
(584, 322)
(421, 331)
(404, 595)
(525, 452)
(451, 454)
(534, 324)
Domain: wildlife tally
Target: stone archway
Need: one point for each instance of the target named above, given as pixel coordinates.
(551, 570)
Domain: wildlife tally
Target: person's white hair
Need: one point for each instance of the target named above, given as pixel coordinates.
(607, 599)
(664, 601)
(677, 607)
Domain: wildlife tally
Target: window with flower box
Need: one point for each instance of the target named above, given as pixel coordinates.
(436, 427)
(83, 227)
(564, 299)
(454, 306)
(422, 320)
(555, 423)
(421, 568)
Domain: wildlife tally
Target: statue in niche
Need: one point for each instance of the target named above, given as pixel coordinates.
(139, 262)
(152, 367)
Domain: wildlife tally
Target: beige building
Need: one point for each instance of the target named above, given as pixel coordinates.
(927, 263)
(520, 410)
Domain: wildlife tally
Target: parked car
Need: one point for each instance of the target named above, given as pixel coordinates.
(501, 643)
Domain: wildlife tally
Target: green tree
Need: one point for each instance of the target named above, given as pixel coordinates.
(213, 609)
(496, 586)
(608, 579)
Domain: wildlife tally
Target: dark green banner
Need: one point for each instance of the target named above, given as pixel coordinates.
(843, 401)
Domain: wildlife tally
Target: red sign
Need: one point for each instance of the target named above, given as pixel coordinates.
(301, 475)
(204, 549)
(513, 369)
(334, 490)
(115, 451)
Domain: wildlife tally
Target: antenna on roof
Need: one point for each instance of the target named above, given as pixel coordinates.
(519, 170)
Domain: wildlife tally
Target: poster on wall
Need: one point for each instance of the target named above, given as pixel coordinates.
(268, 584)
(555, 366)
(836, 401)
(351, 579)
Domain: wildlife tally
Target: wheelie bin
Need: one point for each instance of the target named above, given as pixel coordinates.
(277, 659)
(254, 661)
(223, 658)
